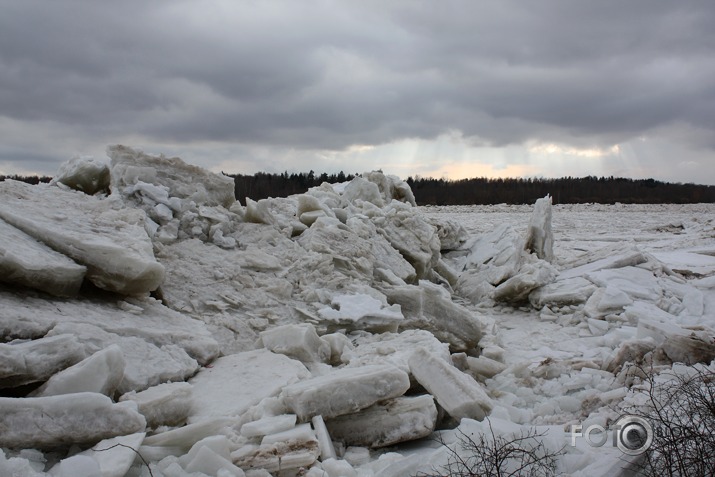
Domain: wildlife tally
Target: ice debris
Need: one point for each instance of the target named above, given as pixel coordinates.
(334, 314)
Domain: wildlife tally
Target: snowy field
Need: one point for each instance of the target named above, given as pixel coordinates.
(166, 330)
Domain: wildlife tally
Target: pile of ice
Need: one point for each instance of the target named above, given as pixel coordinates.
(504, 265)
(164, 328)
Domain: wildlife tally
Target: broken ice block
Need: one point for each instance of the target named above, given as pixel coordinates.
(327, 449)
(100, 373)
(300, 342)
(167, 404)
(268, 425)
(459, 394)
(110, 241)
(65, 420)
(37, 360)
(345, 390)
(484, 366)
(386, 423)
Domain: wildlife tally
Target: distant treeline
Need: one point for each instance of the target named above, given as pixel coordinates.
(29, 179)
(262, 184)
(566, 190)
(430, 191)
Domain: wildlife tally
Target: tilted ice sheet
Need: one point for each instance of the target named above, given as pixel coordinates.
(101, 373)
(25, 261)
(32, 316)
(107, 238)
(35, 361)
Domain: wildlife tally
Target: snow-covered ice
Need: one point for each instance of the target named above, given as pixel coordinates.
(280, 333)
(299, 342)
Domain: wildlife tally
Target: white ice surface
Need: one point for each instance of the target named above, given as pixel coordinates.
(430, 307)
(361, 312)
(234, 383)
(182, 180)
(268, 425)
(141, 327)
(299, 342)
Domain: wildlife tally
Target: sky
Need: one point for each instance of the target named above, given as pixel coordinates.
(453, 89)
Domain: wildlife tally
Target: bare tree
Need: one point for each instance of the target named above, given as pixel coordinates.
(680, 408)
(491, 455)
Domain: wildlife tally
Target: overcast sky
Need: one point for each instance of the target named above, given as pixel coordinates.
(436, 88)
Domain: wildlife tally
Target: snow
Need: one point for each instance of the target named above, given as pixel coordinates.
(280, 333)
(361, 312)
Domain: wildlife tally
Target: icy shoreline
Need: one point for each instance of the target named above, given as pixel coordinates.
(303, 335)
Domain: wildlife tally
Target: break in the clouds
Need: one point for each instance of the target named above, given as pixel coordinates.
(449, 88)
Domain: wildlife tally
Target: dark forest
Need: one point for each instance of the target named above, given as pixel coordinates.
(430, 191)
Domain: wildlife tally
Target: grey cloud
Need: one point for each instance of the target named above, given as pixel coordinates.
(325, 75)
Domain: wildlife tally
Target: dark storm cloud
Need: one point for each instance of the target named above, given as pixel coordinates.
(325, 75)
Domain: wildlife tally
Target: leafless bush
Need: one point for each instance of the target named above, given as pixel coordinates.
(491, 455)
(680, 407)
